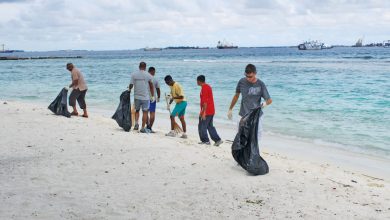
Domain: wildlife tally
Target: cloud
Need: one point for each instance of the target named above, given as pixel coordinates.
(122, 24)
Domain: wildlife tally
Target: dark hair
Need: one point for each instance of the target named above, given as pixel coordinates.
(250, 68)
(142, 65)
(69, 66)
(168, 78)
(201, 78)
(151, 69)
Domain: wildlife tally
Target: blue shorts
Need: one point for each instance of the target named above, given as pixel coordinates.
(180, 109)
(152, 106)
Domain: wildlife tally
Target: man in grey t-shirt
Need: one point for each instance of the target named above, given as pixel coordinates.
(252, 91)
(141, 80)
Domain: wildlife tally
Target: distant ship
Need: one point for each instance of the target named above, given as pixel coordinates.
(225, 45)
(359, 43)
(386, 43)
(9, 51)
(313, 45)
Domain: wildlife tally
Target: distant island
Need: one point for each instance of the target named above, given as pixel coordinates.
(174, 48)
(39, 57)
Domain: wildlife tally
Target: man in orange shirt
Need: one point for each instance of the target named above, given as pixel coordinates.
(206, 115)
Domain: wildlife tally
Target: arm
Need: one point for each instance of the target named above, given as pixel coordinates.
(179, 97)
(74, 83)
(234, 101)
(266, 96)
(158, 92)
(151, 87)
(131, 83)
(75, 79)
(266, 103)
(203, 111)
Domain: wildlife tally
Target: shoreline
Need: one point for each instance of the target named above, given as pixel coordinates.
(226, 124)
(380, 154)
(54, 167)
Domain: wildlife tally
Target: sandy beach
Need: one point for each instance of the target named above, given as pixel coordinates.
(52, 167)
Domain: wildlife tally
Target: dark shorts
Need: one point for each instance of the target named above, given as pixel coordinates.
(78, 95)
(152, 106)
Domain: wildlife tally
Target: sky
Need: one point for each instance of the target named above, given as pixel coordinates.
(41, 25)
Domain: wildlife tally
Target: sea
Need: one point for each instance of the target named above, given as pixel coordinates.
(338, 97)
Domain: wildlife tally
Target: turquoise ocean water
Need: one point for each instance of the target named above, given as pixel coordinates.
(339, 96)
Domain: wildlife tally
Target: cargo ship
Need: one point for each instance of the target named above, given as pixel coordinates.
(225, 45)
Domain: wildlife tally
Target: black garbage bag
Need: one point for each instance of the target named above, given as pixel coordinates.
(59, 106)
(245, 148)
(123, 115)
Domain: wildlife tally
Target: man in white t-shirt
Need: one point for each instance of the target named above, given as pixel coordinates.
(141, 80)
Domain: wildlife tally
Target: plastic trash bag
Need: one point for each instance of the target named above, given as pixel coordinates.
(123, 115)
(59, 106)
(245, 148)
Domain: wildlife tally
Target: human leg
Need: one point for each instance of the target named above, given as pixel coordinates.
(183, 124)
(72, 100)
(181, 113)
(172, 132)
(82, 104)
(210, 127)
(145, 109)
(175, 112)
(172, 122)
(202, 130)
(152, 113)
(137, 105)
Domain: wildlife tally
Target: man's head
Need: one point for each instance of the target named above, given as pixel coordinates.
(168, 80)
(201, 79)
(250, 72)
(142, 66)
(152, 70)
(69, 66)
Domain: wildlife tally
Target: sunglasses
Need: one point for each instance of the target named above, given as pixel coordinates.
(249, 75)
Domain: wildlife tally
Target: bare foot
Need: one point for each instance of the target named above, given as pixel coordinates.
(74, 113)
(85, 115)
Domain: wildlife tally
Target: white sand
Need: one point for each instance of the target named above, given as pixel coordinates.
(52, 167)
